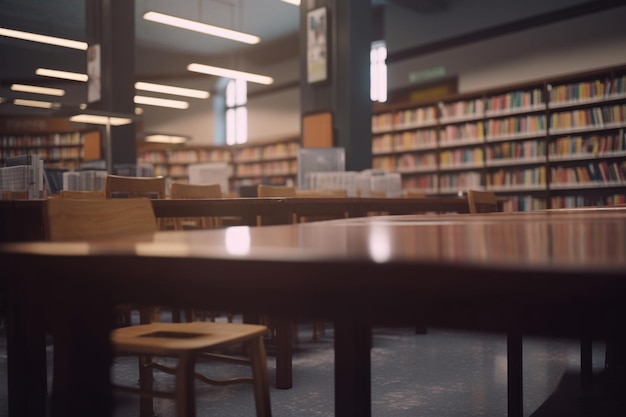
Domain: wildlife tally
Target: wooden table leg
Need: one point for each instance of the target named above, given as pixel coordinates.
(514, 375)
(284, 352)
(26, 356)
(82, 361)
(352, 369)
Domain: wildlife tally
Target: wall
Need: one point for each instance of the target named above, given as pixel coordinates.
(574, 45)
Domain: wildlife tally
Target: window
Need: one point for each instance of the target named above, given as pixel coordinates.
(378, 72)
(236, 112)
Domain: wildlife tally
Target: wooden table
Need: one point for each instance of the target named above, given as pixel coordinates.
(22, 220)
(548, 273)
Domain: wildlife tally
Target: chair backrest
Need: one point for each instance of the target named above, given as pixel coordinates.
(413, 194)
(133, 187)
(275, 191)
(76, 219)
(83, 195)
(184, 190)
(321, 193)
(482, 201)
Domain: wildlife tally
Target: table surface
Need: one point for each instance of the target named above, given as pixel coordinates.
(500, 271)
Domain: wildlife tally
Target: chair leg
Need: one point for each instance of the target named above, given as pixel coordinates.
(146, 405)
(185, 389)
(260, 378)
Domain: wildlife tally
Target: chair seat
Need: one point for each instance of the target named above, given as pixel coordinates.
(170, 339)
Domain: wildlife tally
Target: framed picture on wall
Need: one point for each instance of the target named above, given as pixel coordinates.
(317, 45)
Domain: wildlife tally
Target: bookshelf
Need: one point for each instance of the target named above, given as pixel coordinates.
(273, 161)
(57, 141)
(550, 143)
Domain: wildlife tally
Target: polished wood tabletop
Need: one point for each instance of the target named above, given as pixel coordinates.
(21, 220)
(554, 273)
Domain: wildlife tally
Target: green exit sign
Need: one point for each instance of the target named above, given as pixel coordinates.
(427, 74)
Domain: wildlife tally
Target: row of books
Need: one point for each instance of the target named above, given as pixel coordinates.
(517, 177)
(524, 203)
(462, 108)
(460, 181)
(88, 180)
(415, 117)
(594, 172)
(54, 139)
(426, 182)
(583, 201)
(595, 116)
(516, 124)
(514, 100)
(516, 150)
(471, 131)
(268, 168)
(596, 144)
(585, 90)
(213, 155)
(530, 100)
(412, 162)
(460, 157)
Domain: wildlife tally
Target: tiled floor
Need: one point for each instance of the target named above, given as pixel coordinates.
(438, 374)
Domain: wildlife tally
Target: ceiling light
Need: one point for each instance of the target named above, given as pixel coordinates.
(162, 102)
(228, 73)
(294, 2)
(51, 40)
(34, 103)
(168, 89)
(201, 27)
(66, 75)
(37, 90)
(160, 138)
(100, 120)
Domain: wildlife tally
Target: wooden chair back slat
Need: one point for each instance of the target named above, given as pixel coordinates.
(83, 195)
(77, 219)
(482, 201)
(133, 187)
(275, 191)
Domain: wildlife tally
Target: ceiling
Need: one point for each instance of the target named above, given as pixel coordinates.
(162, 52)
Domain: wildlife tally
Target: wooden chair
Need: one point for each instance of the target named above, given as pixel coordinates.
(184, 190)
(481, 201)
(413, 194)
(132, 187)
(321, 193)
(324, 193)
(264, 190)
(89, 195)
(274, 191)
(78, 219)
(118, 186)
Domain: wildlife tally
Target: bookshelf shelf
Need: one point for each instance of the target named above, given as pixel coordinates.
(517, 141)
(55, 140)
(248, 164)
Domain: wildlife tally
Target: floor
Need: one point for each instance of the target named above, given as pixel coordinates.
(438, 374)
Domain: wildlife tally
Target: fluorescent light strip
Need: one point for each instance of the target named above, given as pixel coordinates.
(161, 102)
(168, 89)
(50, 40)
(66, 75)
(201, 27)
(33, 103)
(100, 120)
(294, 2)
(165, 139)
(38, 90)
(228, 73)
